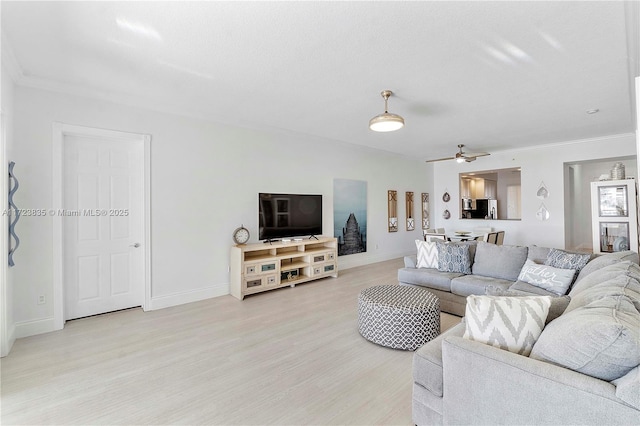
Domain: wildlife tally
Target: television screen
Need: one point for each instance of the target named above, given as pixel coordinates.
(289, 215)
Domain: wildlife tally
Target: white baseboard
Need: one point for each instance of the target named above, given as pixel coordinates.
(31, 328)
(160, 302)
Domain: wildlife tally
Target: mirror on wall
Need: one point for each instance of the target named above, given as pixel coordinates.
(491, 194)
(411, 223)
(392, 199)
(425, 210)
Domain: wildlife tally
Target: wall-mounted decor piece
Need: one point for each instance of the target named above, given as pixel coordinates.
(612, 201)
(446, 214)
(14, 214)
(543, 192)
(411, 222)
(446, 197)
(393, 210)
(350, 215)
(425, 210)
(542, 213)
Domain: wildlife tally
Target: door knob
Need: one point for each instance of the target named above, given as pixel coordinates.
(136, 245)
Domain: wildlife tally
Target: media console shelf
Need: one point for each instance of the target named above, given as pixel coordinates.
(260, 267)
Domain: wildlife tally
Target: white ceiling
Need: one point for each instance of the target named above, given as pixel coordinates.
(491, 75)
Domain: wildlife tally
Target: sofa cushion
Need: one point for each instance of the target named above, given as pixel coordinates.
(467, 285)
(427, 361)
(538, 254)
(628, 388)
(606, 273)
(555, 280)
(503, 262)
(454, 257)
(510, 323)
(600, 339)
(427, 256)
(531, 289)
(567, 260)
(558, 303)
(604, 260)
(620, 279)
(425, 277)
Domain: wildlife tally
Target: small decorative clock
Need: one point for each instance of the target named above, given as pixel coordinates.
(241, 235)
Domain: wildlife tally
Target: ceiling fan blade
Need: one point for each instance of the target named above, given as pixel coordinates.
(475, 154)
(441, 159)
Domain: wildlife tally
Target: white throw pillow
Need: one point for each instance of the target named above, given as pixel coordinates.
(510, 323)
(555, 280)
(427, 254)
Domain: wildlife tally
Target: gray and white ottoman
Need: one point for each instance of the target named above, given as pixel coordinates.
(399, 317)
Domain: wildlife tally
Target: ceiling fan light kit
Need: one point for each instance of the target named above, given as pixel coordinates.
(386, 122)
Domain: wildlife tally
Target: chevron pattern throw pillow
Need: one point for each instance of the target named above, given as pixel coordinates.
(427, 254)
(510, 323)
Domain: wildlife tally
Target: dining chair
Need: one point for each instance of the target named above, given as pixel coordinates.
(500, 238)
(440, 231)
(434, 237)
(482, 237)
(492, 237)
(431, 231)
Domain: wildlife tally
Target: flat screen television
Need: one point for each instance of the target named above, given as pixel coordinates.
(289, 215)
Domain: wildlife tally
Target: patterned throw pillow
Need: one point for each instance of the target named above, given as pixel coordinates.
(453, 257)
(565, 260)
(427, 254)
(510, 323)
(555, 280)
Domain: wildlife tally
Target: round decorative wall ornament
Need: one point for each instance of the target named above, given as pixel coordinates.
(446, 214)
(446, 197)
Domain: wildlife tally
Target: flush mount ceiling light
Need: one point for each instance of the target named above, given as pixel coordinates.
(386, 122)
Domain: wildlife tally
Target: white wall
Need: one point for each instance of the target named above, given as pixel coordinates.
(544, 163)
(7, 325)
(205, 179)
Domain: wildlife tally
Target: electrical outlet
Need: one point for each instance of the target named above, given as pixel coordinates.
(42, 299)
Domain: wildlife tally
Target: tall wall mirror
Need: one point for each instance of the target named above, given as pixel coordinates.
(491, 194)
(411, 222)
(392, 199)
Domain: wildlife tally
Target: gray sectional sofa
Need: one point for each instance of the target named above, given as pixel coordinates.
(583, 368)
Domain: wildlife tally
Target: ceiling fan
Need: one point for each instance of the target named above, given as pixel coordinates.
(462, 156)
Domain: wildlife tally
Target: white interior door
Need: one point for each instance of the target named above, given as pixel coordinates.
(103, 225)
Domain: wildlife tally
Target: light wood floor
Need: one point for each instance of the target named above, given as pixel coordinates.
(290, 356)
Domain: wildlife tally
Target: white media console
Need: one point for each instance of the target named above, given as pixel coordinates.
(260, 267)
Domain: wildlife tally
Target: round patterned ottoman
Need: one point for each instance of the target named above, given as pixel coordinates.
(398, 316)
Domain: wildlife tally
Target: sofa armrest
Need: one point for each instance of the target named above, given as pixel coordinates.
(487, 385)
(410, 261)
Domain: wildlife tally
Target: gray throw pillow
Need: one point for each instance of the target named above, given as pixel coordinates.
(558, 304)
(567, 260)
(453, 257)
(600, 340)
